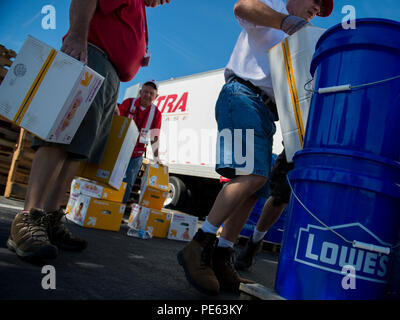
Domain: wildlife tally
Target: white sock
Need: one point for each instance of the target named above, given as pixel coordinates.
(224, 243)
(258, 235)
(209, 228)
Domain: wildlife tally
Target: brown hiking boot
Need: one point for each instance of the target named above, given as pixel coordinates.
(28, 236)
(59, 235)
(226, 274)
(195, 258)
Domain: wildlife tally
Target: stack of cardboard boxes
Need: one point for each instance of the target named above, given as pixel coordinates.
(149, 217)
(96, 194)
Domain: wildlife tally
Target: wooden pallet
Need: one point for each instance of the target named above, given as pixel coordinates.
(9, 135)
(21, 163)
(6, 59)
(256, 291)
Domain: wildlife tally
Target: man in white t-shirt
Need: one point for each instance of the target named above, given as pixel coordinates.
(245, 113)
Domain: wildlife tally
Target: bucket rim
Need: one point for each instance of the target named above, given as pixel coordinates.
(359, 20)
(345, 178)
(349, 153)
(323, 46)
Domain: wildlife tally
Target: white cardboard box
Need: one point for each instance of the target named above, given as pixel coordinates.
(182, 227)
(290, 63)
(47, 92)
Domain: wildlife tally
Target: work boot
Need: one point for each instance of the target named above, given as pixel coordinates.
(226, 274)
(246, 257)
(195, 258)
(28, 237)
(59, 235)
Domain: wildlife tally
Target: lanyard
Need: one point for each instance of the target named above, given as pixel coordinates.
(144, 132)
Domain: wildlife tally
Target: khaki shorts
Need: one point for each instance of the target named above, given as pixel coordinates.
(90, 140)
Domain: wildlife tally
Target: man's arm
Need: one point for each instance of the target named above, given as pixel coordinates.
(260, 14)
(80, 15)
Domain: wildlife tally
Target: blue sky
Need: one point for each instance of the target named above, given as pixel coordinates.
(186, 36)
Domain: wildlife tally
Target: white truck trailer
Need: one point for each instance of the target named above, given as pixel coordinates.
(188, 139)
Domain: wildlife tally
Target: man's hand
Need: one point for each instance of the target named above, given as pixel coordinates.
(155, 3)
(291, 24)
(76, 47)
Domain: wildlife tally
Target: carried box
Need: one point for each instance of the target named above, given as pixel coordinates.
(156, 222)
(118, 152)
(47, 92)
(155, 186)
(97, 190)
(95, 213)
(182, 227)
(290, 63)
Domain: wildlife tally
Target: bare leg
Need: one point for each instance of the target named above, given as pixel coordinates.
(237, 219)
(46, 166)
(56, 194)
(270, 214)
(234, 195)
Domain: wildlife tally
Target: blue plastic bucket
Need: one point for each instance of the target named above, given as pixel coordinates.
(364, 119)
(357, 198)
(347, 177)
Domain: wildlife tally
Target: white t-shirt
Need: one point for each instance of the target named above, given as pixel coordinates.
(249, 58)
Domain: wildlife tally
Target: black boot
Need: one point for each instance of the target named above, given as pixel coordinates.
(246, 257)
(59, 235)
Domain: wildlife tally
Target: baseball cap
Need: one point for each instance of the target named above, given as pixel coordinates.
(152, 83)
(326, 8)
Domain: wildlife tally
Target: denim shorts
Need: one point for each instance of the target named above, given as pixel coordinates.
(90, 140)
(245, 134)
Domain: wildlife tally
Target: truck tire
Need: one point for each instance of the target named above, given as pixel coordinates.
(177, 193)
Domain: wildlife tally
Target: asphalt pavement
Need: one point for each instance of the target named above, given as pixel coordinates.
(114, 266)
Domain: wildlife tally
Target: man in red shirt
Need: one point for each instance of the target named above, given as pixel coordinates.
(148, 121)
(110, 36)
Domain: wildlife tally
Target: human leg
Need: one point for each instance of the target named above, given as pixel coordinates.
(272, 210)
(130, 176)
(244, 124)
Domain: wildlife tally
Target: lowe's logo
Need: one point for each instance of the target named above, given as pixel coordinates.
(320, 248)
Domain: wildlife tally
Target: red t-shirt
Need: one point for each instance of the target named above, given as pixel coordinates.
(140, 118)
(119, 28)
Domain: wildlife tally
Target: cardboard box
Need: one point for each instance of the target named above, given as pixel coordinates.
(47, 92)
(153, 198)
(182, 227)
(290, 63)
(97, 190)
(155, 186)
(118, 152)
(157, 222)
(95, 213)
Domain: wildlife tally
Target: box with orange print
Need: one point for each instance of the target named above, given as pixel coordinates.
(155, 221)
(182, 227)
(47, 92)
